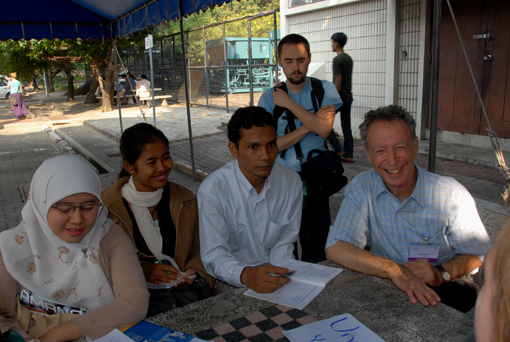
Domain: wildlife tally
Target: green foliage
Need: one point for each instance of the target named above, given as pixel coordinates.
(212, 19)
(18, 56)
(232, 10)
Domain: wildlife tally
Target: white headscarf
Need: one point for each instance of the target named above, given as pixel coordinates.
(140, 203)
(68, 273)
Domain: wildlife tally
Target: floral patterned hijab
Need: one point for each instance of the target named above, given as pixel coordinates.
(67, 273)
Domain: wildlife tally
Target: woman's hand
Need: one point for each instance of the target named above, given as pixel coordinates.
(66, 331)
(161, 273)
(190, 272)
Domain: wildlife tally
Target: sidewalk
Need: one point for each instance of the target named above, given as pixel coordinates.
(95, 135)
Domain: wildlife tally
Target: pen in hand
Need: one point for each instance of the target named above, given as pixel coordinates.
(287, 275)
(160, 262)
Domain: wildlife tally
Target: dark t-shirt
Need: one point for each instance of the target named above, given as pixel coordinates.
(342, 65)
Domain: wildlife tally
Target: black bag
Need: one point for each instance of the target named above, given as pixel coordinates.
(323, 173)
(13, 100)
(162, 300)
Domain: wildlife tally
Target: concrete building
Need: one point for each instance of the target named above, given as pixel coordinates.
(390, 42)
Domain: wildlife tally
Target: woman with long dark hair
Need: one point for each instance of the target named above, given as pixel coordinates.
(159, 216)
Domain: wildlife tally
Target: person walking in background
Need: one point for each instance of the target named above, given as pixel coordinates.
(19, 111)
(342, 78)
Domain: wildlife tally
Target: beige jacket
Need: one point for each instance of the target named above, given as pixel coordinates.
(184, 211)
(121, 266)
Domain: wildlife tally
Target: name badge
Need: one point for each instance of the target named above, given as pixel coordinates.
(424, 252)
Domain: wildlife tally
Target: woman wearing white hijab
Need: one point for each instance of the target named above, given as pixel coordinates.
(68, 261)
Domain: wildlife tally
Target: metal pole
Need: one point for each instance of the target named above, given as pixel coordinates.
(152, 87)
(187, 93)
(114, 51)
(174, 69)
(188, 71)
(45, 84)
(225, 64)
(250, 61)
(275, 68)
(206, 62)
(435, 86)
(162, 64)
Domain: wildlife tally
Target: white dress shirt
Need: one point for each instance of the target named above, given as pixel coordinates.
(240, 228)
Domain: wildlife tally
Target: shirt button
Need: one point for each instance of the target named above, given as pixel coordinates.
(256, 224)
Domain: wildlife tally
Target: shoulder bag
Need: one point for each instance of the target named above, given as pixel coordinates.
(13, 100)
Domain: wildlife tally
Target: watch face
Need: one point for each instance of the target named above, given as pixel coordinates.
(445, 276)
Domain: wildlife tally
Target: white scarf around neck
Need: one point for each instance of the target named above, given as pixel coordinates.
(140, 203)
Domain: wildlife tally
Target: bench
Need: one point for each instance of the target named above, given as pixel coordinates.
(128, 97)
(158, 97)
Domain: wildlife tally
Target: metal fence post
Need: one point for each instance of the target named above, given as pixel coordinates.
(250, 61)
(206, 71)
(225, 54)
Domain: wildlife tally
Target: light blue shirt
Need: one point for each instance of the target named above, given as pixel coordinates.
(439, 208)
(15, 87)
(240, 228)
(311, 141)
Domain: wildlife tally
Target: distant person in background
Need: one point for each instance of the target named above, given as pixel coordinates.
(342, 78)
(19, 111)
(129, 84)
(143, 87)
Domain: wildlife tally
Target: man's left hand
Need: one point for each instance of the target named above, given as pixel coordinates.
(424, 271)
(282, 99)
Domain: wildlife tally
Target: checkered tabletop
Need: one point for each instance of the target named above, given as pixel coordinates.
(261, 326)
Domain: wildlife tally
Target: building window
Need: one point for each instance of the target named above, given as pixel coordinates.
(295, 3)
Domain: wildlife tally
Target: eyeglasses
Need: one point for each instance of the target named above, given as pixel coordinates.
(69, 209)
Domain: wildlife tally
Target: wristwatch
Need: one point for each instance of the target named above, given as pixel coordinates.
(445, 275)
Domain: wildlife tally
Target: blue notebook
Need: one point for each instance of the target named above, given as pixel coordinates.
(144, 331)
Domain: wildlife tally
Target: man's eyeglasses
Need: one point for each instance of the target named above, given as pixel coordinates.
(67, 209)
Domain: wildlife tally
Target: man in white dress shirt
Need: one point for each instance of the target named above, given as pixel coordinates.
(250, 209)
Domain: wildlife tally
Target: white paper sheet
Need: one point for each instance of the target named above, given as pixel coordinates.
(308, 281)
(114, 336)
(341, 328)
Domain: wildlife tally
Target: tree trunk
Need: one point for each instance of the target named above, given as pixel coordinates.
(108, 85)
(97, 66)
(88, 75)
(70, 85)
(84, 89)
(49, 81)
(50, 75)
(34, 82)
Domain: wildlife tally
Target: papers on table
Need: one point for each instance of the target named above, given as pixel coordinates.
(144, 331)
(308, 281)
(114, 336)
(336, 329)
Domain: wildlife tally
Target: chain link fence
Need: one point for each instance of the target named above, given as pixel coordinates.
(229, 64)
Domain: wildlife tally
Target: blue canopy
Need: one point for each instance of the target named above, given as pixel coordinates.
(62, 19)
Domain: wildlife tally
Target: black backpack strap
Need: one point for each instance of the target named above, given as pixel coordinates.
(292, 127)
(278, 111)
(317, 93)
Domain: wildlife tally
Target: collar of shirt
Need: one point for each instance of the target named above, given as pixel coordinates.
(247, 189)
(419, 193)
